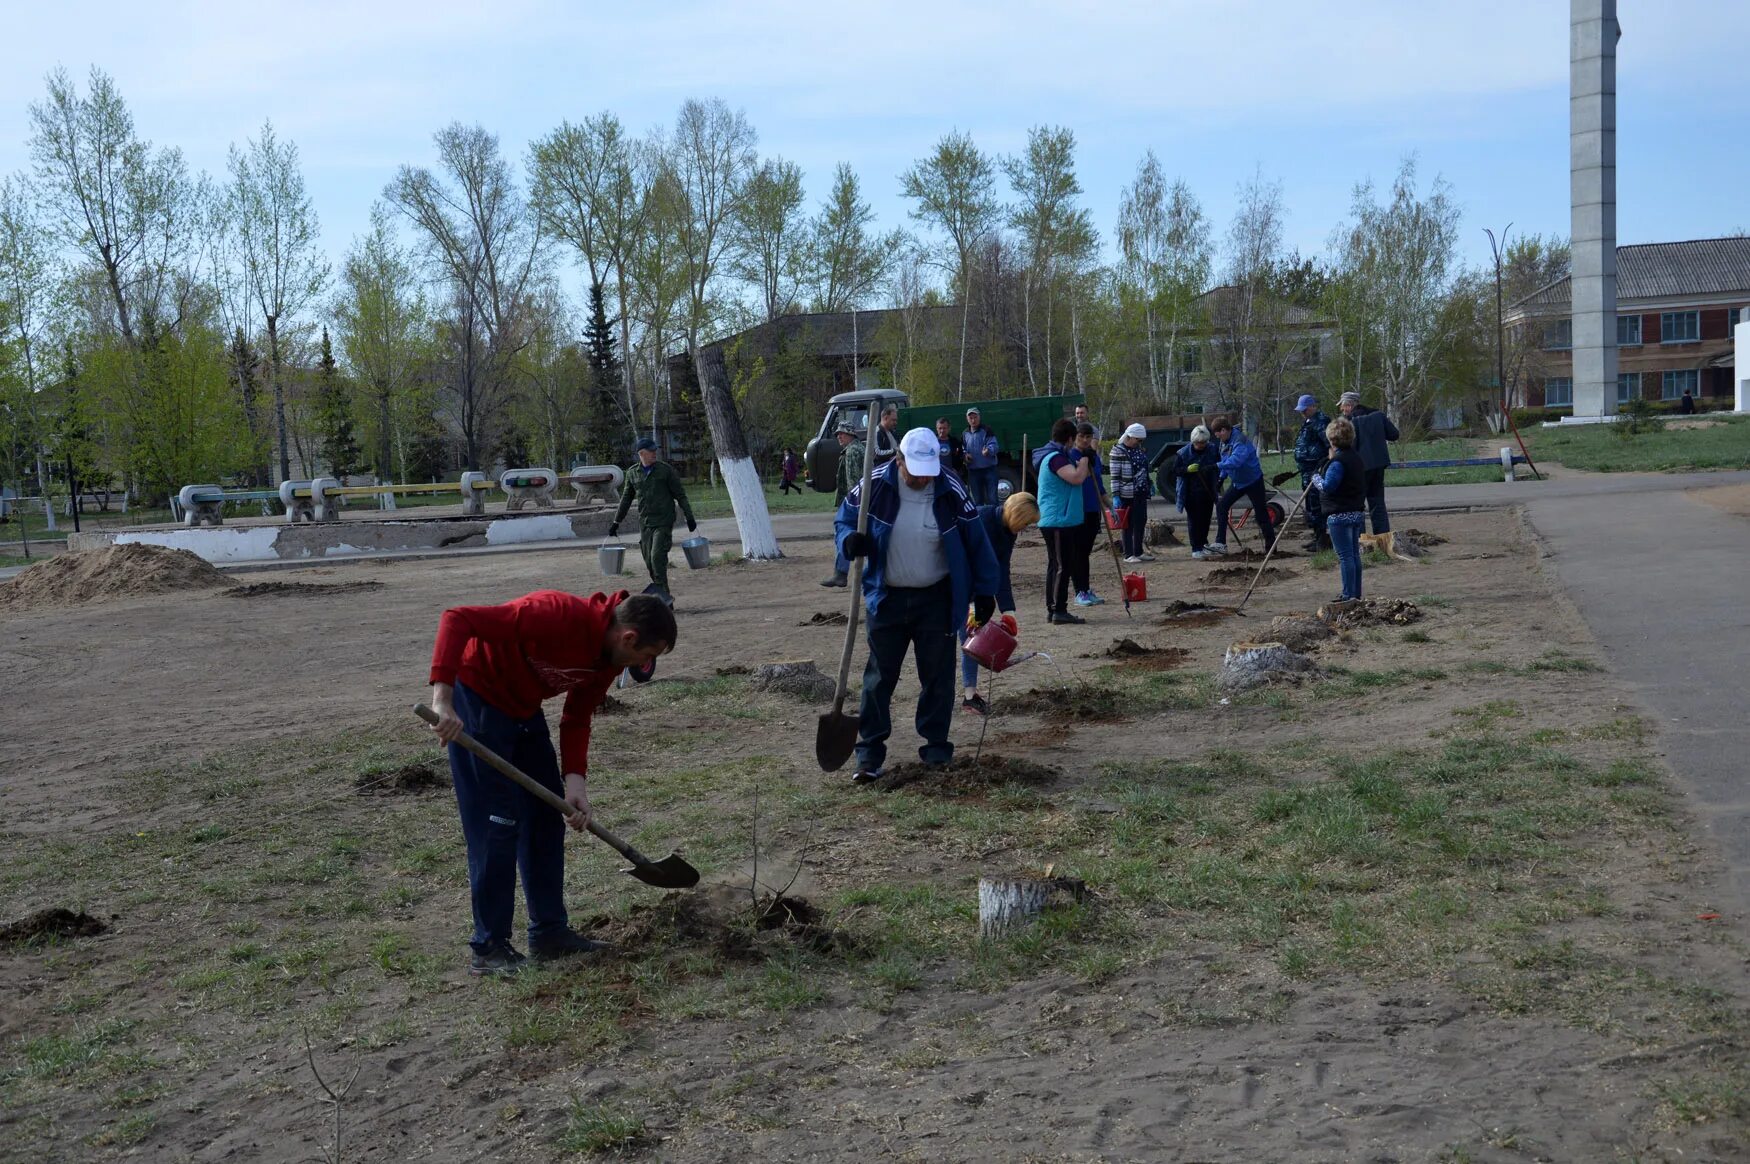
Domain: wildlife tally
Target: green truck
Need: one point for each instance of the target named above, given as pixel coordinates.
(1018, 424)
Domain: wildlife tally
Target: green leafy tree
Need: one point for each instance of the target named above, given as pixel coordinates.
(953, 189)
(340, 448)
(605, 415)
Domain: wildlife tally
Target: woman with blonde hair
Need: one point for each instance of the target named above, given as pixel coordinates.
(1002, 524)
(1342, 486)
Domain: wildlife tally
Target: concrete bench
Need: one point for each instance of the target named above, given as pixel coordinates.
(205, 504)
(593, 483)
(523, 487)
(328, 496)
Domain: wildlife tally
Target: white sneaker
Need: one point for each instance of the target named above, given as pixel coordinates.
(1199, 555)
(1215, 548)
(1133, 560)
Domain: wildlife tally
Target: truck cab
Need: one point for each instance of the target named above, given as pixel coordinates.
(860, 410)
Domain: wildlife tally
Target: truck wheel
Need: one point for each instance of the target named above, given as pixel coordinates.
(1008, 481)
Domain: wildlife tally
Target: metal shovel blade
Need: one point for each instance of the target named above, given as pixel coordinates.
(669, 873)
(834, 740)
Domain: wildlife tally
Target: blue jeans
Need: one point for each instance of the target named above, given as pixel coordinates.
(1345, 533)
(921, 618)
(982, 484)
(506, 828)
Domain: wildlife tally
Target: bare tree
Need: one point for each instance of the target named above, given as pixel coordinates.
(847, 262)
(276, 231)
(27, 281)
(658, 275)
(767, 247)
(713, 152)
(1053, 229)
(1164, 241)
(1247, 318)
(482, 241)
(953, 191)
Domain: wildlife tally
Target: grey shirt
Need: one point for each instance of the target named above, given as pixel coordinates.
(915, 556)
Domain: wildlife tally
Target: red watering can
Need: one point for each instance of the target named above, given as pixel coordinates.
(991, 646)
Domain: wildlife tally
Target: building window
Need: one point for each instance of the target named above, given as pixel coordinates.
(1679, 327)
(1558, 336)
(1628, 387)
(1734, 316)
(1675, 384)
(1192, 361)
(1558, 393)
(1628, 331)
(1309, 355)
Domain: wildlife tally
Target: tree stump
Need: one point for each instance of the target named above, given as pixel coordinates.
(799, 677)
(1007, 903)
(1160, 533)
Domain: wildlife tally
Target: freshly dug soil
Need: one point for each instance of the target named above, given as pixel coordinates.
(1191, 615)
(1237, 576)
(46, 925)
(114, 572)
(735, 669)
(801, 679)
(824, 618)
(407, 780)
(611, 706)
(965, 776)
(279, 589)
(1422, 538)
(1258, 555)
(1068, 704)
(1371, 612)
(723, 918)
(1132, 654)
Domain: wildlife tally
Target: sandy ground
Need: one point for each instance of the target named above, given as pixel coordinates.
(1046, 1068)
(1732, 499)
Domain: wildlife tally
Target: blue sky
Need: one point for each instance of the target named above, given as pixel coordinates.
(1315, 95)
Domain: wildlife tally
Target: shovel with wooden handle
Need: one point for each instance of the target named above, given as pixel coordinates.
(835, 737)
(669, 873)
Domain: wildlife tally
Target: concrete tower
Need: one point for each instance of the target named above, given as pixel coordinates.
(1592, 35)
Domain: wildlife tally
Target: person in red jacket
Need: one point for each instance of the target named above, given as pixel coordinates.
(491, 669)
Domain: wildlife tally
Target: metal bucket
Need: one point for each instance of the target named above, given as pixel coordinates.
(698, 552)
(613, 558)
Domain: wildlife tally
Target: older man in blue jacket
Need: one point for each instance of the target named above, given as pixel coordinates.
(928, 559)
(980, 446)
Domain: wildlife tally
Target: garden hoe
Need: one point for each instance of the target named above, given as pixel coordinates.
(669, 873)
(836, 736)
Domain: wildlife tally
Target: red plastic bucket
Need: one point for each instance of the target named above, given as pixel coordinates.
(1118, 518)
(1135, 588)
(990, 646)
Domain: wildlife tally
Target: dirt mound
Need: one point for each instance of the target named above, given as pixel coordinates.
(1180, 613)
(611, 706)
(1299, 632)
(1134, 655)
(407, 780)
(279, 589)
(724, 918)
(1258, 555)
(120, 571)
(49, 925)
(1421, 538)
(1370, 612)
(1068, 704)
(1236, 576)
(827, 618)
(966, 776)
(735, 669)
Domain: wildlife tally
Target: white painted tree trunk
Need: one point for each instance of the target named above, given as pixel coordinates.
(1007, 903)
(748, 498)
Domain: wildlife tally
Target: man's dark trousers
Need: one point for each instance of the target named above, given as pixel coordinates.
(507, 828)
(1377, 515)
(1315, 516)
(982, 484)
(922, 619)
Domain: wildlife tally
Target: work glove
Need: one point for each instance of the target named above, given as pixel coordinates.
(692, 525)
(1010, 624)
(1318, 482)
(858, 545)
(983, 606)
(1193, 467)
(614, 530)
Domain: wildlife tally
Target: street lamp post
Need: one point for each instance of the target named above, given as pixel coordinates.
(1500, 358)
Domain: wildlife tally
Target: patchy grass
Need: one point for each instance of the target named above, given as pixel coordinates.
(597, 1129)
(1599, 448)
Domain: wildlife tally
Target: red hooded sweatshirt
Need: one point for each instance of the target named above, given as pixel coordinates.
(528, 650)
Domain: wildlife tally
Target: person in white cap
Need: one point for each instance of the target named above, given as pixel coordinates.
(1131, 490)
(980, 446)
(929, 561)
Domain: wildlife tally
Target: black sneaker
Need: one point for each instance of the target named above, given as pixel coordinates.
(975, 704)
(867, 775)
(501, 961)
(1064, 618)
(563, 945)
(835, 580)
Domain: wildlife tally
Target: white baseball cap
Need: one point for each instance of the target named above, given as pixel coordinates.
(922, 453)
(1137, 431)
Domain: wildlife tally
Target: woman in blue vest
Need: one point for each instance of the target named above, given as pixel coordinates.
(1061, 475)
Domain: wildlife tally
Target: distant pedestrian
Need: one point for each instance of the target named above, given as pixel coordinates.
(792, 466)
(1060, 477)
(1131, 490)
(1194, 476)
(1245, 478)
(658, 490)
(1342, 483)
(1093, 515)
(1687, 404)
(928, 559)
(952, 455)
(1310, 447)
(850, 475)
(978, 445)
(1002, 525)
(1372, 430)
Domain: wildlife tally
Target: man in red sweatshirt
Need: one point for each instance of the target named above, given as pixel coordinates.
(491, 669)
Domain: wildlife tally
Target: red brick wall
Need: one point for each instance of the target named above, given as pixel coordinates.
(1650, 328)
(1713, 323)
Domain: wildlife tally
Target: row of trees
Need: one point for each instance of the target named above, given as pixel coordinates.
(162, 326)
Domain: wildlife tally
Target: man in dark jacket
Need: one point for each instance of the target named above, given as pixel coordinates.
(928, 559)
(658, 489)
(850, 475)
(1309, 454)
(1372, 430)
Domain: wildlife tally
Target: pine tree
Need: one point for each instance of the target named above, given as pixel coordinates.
(604, 368)
(334, 413)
